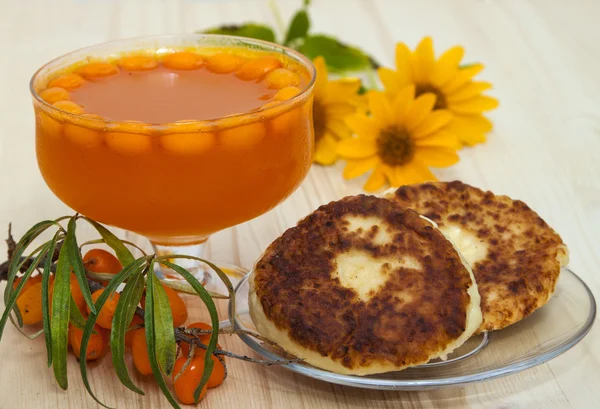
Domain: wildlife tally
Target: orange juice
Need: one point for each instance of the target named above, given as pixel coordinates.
(175, 145)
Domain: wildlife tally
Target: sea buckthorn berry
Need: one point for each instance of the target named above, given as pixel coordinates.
(282, 77)
(97, 344)
(69, 106)
(178, 308)
(96, 70)
(242, 137)
(30, 281)
(48, 125)
(138, 63)
(82, 135)
(67, 81)
(29, 303)
(188, 380)
(77, 295)
(131, 332)
(224, 63)
(258, 68)
(183, 60)
(286, 93)
(129, 143)
(54, 94)
(204, 338)
(106, 314)
(101, 261)
(188, 143)
(286, 122)
(139, 350)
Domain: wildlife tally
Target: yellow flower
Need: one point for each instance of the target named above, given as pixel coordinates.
(334, 101)
(401, 139)
(453, 85)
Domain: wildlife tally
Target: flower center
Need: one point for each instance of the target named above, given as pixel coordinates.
(440, 98)
(319, 120)
(395, 146)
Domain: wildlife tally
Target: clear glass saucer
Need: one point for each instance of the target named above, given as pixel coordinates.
(546, 334)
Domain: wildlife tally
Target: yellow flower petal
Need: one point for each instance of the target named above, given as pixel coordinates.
(420, 109)
(414, 172)
(390, 80)
(339, 110)
(403, 69)
(326, 150)
(470, 129)
(403, 103)
(436, 157)
(375, 181)
(380, 108)
(355, 168)
(322, 75)
(338, 128)
(436, 120)
(462, 76)
(422, 61)
(357, 148)
(469, 90)
(441, 139)
(342, 90)
(475, 105)
(447, 66)
(363, 126)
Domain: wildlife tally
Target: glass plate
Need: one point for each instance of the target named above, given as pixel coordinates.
(547, 333)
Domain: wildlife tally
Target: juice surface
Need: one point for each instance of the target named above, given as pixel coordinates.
(164, 95)
(175, 184)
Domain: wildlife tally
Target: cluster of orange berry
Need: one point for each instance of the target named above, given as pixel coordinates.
(185, 382)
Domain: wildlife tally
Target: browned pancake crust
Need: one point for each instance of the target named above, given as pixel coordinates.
(524, 256)
(294, 284)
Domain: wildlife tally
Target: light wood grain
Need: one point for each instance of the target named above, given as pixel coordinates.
(543, 59)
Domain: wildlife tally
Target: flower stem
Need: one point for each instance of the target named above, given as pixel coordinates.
(277, 16)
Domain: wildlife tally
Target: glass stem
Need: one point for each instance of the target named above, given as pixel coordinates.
(195, 267)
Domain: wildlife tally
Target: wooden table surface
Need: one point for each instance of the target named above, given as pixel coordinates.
(543, 59)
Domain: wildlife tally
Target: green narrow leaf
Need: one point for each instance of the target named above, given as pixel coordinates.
(166, 348)
(214, 318)
(11, 303)
(122, 252)
(306, 3)
(59, 326)
(77, 263)
(298, 27)
(135, 266)
(339, 57)
(75, 316)
(250, 30)
(46, 274)
(15, 262)
(151, 339)
(130, 298)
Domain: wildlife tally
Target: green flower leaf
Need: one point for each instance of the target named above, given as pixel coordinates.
(135, 267)
(122, 252)
(59, 325)
(250, 30)
(214, 318)
(46, 274)
(130, 298)
(166, 348)
(339, 57)
(11, 302)
(298, 27)
(77, 263)
(151, 341)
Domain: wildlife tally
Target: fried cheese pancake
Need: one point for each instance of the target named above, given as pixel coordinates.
(363, 286)
(515, 256)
